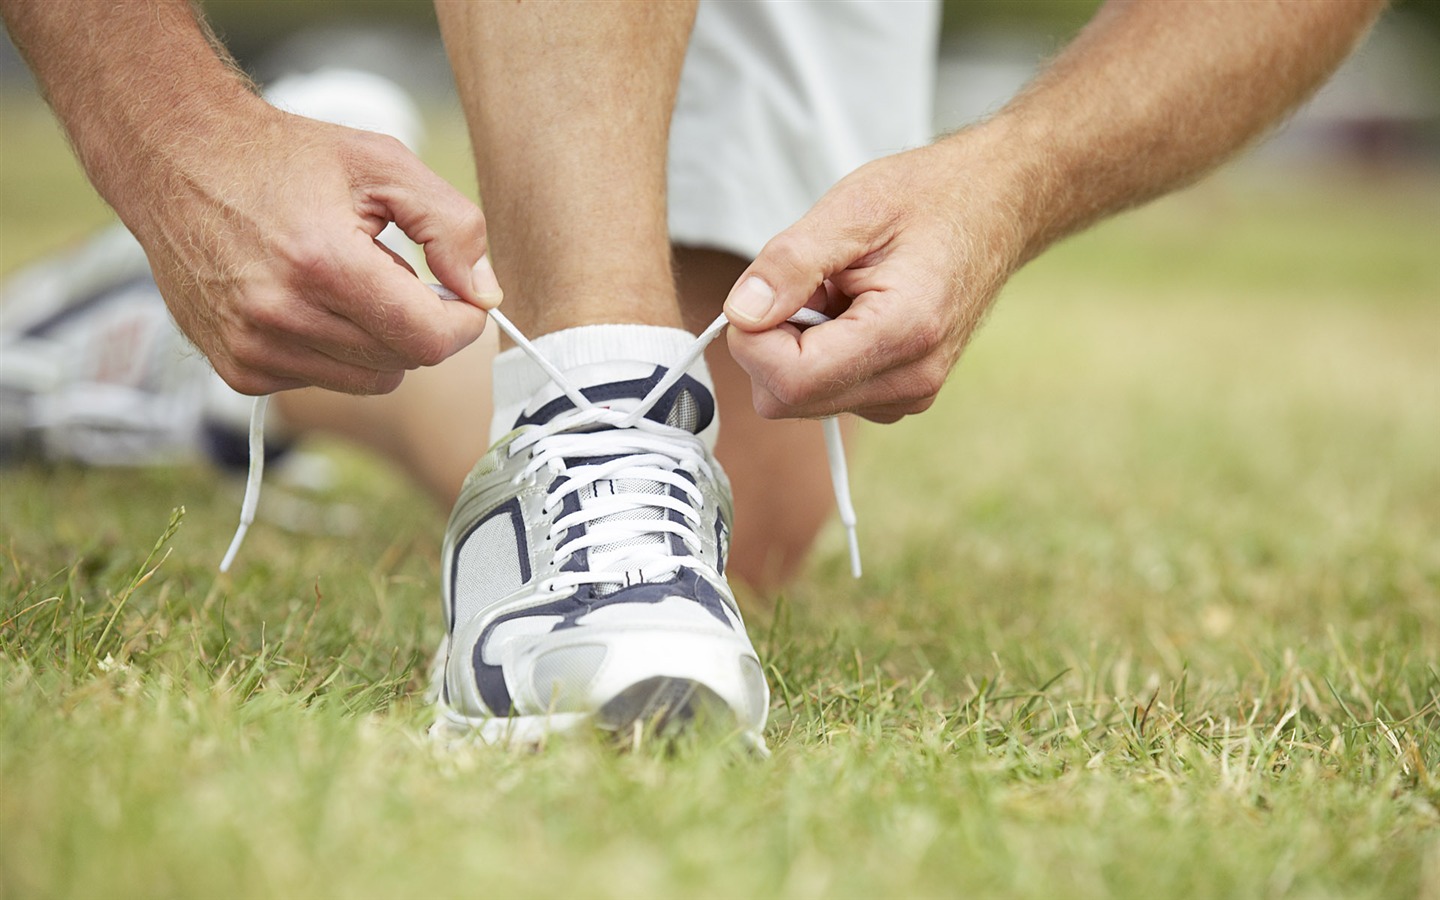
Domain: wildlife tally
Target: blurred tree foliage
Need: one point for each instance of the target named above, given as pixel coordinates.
(1424, 11)
(1059, 18)
(1062, 18)
(249, 25)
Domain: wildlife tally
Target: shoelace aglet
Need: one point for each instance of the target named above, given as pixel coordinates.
(252, 480)
(854, 540)
(840, 482)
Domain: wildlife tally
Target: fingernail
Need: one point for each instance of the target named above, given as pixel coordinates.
(750, 301)
(487, 286)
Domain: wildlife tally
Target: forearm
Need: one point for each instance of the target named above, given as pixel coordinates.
(911, 248)
(137, 85)
(1153, 94)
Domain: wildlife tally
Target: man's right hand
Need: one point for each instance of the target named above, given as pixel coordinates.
(265, 250)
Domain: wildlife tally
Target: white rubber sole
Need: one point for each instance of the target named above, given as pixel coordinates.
(649, 684)
(658, 707)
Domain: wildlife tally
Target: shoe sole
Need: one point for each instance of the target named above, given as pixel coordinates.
(662, 708)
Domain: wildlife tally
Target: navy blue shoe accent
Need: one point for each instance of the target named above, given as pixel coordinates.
(722, 542)
(635, 389)
(579, 561)
(490, 679)
(677, 546)
(686, 583)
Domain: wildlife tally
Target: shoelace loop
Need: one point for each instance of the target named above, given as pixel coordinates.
(633, 424)
(626, 526)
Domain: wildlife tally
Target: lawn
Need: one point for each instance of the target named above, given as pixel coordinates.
(1151, 609)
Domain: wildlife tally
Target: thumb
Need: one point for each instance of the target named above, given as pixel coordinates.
(793, 266)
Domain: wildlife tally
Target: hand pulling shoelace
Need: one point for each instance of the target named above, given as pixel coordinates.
(834, 449)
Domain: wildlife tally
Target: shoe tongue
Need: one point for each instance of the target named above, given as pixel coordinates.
(620, 386)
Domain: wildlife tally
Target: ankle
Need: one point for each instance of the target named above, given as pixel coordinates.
(594, 301)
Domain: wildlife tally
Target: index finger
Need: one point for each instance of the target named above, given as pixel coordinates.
(391, 304)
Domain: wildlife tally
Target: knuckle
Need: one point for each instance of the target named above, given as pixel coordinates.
(244, 354)
(243, 380)
(268, 315)
(929, 380)
(786, 252)
(930, 335)
(470, 221)
(386, 382)
(377, 146)
(767, 407)
(789, 391)
(426, 350)
(385, 143)
(919, 406)
(923, 339)
(309, 256)
(914, 390)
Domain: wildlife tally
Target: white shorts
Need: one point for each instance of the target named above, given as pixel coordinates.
(779, 99)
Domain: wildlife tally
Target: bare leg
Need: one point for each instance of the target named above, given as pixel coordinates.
(571, 165)
(569, 110)
(452, 399)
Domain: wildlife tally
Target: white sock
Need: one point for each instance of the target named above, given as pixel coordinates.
(589, 355)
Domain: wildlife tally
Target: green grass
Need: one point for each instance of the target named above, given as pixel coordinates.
(1152, 609)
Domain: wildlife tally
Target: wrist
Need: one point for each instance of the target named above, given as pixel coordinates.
(137, 86)
(140, 161)
(994, 178)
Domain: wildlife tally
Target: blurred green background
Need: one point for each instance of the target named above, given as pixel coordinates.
(1387, 100)
(1152, 602)
(250, 24)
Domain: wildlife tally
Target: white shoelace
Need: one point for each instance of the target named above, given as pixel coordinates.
(652, 452)
(623, 497)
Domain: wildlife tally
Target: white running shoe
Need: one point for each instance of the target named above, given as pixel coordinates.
(584, 570)
(92, 369)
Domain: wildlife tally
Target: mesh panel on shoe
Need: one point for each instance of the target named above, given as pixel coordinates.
(684, 412)
(488, 565)
(562, 675)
